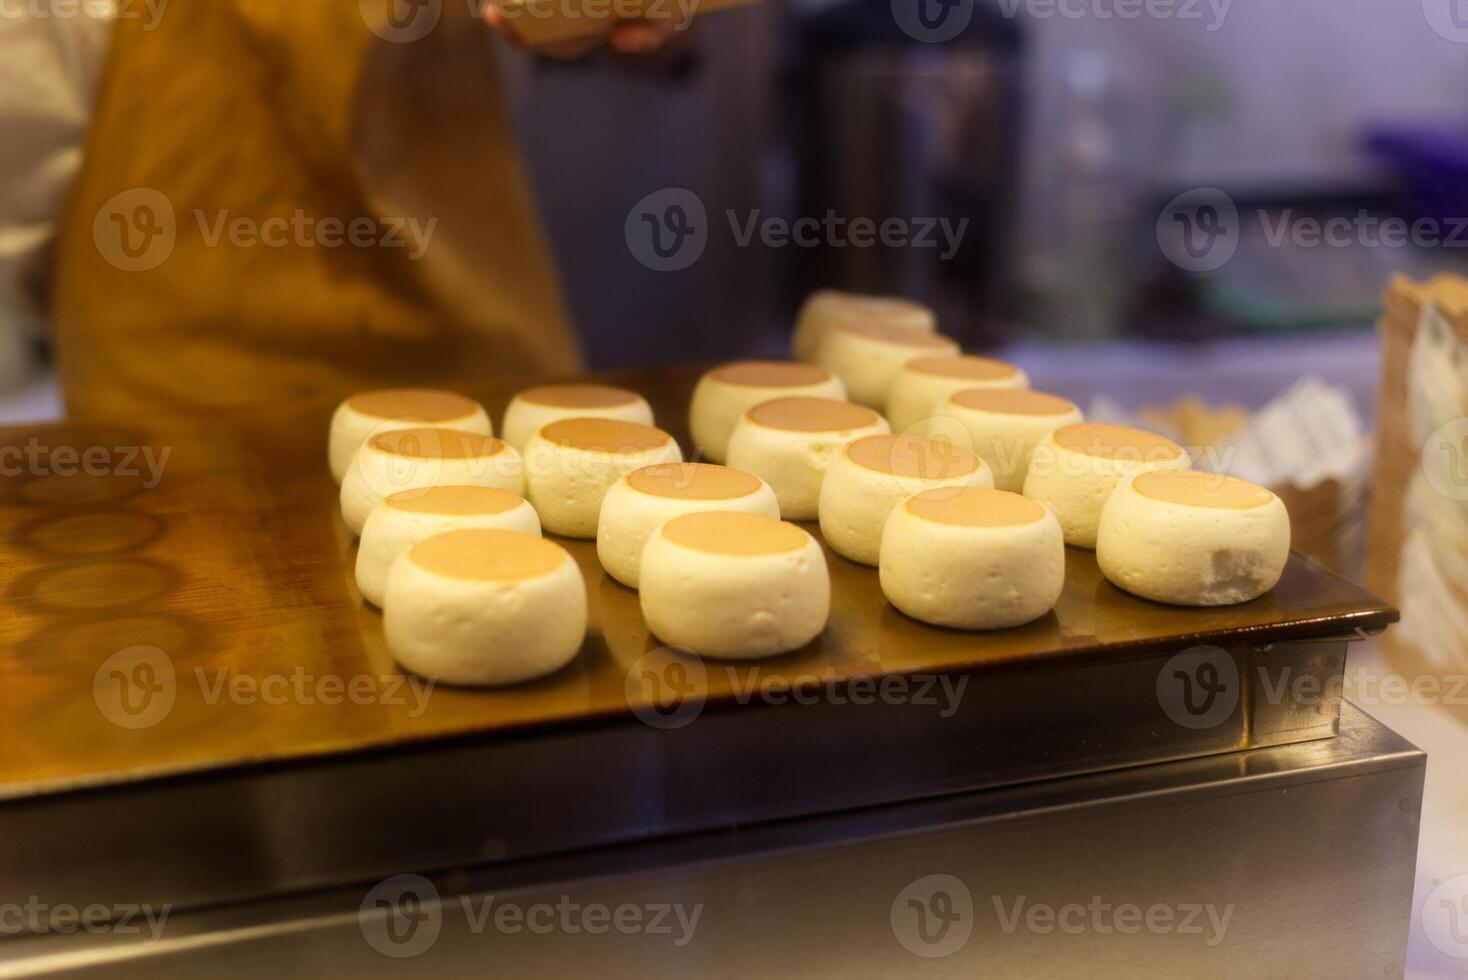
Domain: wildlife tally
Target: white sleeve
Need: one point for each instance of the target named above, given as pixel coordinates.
(48, 81)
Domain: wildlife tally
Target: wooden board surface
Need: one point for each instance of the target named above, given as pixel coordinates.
(212, 550)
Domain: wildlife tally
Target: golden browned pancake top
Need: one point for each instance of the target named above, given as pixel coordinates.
(437, 444)
(1117, 442)
(737, 535)
(975, 507)
(605, 435)
(963, 367)
(771, 374)
(910, 456)
(455, 501)
(693, 481)
(1012, 401)
(413, 403)
(812, 415)
(1198, 489)
(579, 396)
(488, 555)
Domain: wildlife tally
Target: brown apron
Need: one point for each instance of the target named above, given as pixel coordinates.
(243, 228)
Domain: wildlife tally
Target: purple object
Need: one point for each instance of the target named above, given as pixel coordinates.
(1432, 161)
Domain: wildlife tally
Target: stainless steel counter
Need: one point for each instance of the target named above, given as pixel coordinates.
(1288, 861)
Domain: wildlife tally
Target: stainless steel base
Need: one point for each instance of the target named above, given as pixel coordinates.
(1288, 861)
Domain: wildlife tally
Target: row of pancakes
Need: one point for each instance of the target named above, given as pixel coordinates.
(966, 510)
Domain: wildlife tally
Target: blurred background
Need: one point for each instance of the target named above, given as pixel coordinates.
(1059, 136)
(1053, 133)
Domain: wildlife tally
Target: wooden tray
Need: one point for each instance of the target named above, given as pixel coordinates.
(236, 569)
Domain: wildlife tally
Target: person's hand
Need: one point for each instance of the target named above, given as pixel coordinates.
(634, 37)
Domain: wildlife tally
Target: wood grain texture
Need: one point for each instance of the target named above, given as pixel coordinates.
(237, 568)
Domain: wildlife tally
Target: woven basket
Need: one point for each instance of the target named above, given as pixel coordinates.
(1399, 457)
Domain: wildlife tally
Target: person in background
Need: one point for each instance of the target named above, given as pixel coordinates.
(238, 204)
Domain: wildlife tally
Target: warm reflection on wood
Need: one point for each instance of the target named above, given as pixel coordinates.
(235, 564)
